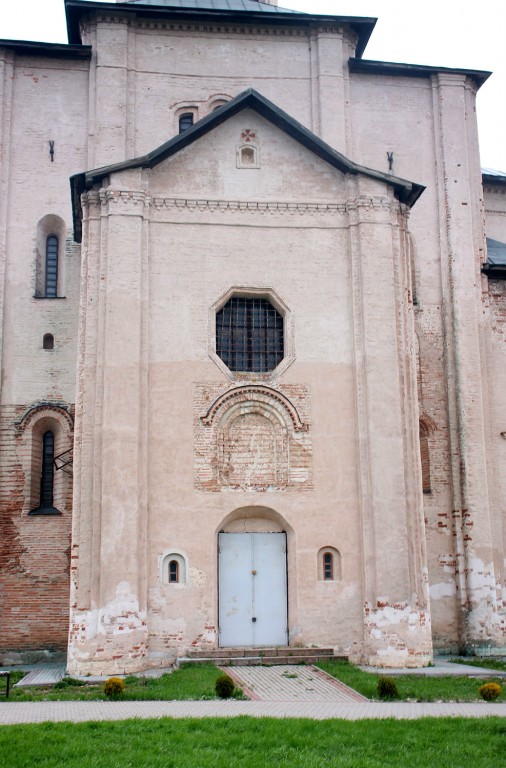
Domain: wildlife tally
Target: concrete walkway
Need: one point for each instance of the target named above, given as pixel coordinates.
(82, 711)
(440, 668)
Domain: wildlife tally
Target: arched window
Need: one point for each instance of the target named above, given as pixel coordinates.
(47, 471)
(173, 572)
(48, 341)
(51, 271)
(329, 564)
(250, 335)
(173, 568)
(185, 121)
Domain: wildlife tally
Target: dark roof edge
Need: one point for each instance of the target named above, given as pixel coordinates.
(407, 192)
(362, 26)
(368, 66)
(494, 271)
(489, 178)
(50, 50)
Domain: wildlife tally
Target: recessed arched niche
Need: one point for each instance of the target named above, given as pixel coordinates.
(254, 520)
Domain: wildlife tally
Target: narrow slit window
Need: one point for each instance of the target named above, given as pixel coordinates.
(51, 275)
(47, 472)
(185, 121)
(328, 566)
(173, 572)
(425, 459)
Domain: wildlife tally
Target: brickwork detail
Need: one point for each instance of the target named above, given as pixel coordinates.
(497, 300)
(252, 438)
(34, 551)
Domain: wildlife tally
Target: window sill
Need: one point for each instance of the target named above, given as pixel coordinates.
(45, 511)
(49, 298)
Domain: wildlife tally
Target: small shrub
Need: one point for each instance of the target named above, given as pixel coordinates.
(67, 681)
(490, 691)
(224, 686)
(387, 688)
(114, 687)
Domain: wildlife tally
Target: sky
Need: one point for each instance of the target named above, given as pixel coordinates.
(447, 33)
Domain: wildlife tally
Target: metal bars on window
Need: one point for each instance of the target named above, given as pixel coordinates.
(47, 474)
(51, 281)
(249, 335)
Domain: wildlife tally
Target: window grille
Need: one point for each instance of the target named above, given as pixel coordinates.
(185, 121)
(46, 477)
(328, 566)
(173, 571)
(51, 281)
(249, 335)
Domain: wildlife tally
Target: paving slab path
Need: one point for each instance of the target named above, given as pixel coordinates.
(291, 683)
(82, 711)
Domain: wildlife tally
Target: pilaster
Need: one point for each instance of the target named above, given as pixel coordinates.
(6, 86)
(396, 609)
(462, 250)
(328, 85)
(108, 621)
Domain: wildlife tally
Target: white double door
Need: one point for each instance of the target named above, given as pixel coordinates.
(252, 589)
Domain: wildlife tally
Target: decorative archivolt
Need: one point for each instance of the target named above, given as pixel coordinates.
(265, 397)
(55, 411)
(427, 424)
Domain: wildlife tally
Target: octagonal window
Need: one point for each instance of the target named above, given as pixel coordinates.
(250, 335)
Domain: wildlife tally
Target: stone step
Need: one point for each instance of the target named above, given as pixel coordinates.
(250, 661)
(234, 653)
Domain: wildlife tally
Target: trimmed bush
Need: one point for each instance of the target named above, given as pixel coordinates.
(65, 682)
(224, 686)
(387, 688)
(114, 687)
(490, 691)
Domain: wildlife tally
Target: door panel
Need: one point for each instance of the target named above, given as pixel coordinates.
(252, 589)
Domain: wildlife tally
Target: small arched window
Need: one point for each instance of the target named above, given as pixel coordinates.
(173, 568)
(185, 121)
(51, 274)
(329, 564)
(173, 572)
(48, 341)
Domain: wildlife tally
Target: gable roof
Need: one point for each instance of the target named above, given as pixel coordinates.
(230, 11)
(406, 191)
(215, 5)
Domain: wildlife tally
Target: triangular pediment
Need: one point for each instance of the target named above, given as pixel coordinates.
(406, 191)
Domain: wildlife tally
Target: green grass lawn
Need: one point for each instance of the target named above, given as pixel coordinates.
(410, 687)
(250, 743)
(189, 682)
(196, 681)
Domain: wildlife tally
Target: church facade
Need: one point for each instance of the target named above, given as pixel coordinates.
(253, 358)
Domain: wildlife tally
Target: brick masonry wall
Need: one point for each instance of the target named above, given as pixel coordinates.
(497, 299)
(259, 447)
(34, 554)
